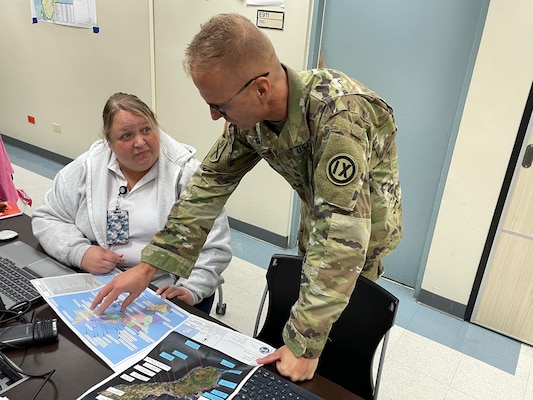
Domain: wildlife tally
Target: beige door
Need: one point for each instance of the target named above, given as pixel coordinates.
(505, 301)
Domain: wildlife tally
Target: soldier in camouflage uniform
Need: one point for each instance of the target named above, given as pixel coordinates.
(329, 136)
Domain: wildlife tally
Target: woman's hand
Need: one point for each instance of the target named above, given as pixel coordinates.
(169, 292)
(98, 260)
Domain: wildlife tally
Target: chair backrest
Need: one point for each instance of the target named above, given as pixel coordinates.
(348, 356)
(283, 287)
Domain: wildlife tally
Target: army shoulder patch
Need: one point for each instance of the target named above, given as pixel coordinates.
(341, 169)
(338, 173)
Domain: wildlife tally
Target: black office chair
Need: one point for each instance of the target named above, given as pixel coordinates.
(348, 356)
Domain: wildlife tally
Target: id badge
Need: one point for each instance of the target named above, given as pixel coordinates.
(118, 226)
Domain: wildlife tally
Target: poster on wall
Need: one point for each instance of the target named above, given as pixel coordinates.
(78, 13)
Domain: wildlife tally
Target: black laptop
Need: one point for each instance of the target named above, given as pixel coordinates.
(19, 264)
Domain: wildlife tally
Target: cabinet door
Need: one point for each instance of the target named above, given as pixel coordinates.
(505, 302)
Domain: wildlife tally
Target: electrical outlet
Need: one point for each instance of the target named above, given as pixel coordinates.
(56, 127)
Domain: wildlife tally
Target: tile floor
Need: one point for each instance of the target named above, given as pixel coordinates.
(430, 354)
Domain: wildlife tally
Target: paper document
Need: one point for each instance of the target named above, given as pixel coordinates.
(78, 13)
(118, 338)
(123, 338)
(180, 367)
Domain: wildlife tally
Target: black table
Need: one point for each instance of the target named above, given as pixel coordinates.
(77, 368)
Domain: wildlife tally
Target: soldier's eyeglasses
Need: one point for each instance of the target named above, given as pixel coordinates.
(222, 109)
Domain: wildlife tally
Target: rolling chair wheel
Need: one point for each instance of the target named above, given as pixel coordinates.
(221, 306)
(221, 309)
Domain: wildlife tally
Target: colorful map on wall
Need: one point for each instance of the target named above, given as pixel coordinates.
(79, 13)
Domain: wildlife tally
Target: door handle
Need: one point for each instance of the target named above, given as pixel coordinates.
(528, 157)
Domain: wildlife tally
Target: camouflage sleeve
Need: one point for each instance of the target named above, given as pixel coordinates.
(338, 227)
(176, 247)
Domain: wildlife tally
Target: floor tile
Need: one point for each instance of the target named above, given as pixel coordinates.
(401, 382)
(35, 188)
(425, 356)
(255, 251)
(488, 346)
(524, 367)
(45, 167)
(454, 394)
(483, 381)
(242, 274)
(435, 325)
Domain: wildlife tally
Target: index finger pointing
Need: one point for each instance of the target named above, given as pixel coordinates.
(106, 290)
(107, 302)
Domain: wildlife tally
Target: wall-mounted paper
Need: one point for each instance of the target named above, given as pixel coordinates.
(79, 13)
(279, 3)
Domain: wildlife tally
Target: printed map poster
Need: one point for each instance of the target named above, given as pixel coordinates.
(78, 13)
(118, 338)
(178, 368)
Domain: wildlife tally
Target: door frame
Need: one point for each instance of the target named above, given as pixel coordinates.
(505, 192)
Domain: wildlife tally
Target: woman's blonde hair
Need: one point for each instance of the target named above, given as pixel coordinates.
(126, 102)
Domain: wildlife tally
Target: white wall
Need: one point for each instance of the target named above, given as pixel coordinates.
(263, 198)
(64, 75)
(496, 99)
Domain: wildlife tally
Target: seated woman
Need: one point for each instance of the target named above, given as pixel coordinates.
(106, 205)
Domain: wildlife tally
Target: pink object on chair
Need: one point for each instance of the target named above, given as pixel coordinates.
(8, 191)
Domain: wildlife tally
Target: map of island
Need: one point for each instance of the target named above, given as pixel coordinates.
(45, 9)
(194, 384)
(47, 6)
(178, 368)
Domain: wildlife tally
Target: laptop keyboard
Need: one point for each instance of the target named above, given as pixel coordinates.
(266, 385)
(15, 283)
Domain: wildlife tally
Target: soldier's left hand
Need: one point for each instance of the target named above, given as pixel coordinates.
(290, 366)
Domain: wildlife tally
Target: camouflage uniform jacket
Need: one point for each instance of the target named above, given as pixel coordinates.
(337, 150)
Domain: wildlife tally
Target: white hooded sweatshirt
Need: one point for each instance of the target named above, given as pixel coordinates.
(73, 214)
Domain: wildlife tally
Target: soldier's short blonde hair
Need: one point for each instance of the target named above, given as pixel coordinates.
(229, 42)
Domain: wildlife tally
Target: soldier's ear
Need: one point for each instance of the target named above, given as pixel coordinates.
(262, 85)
